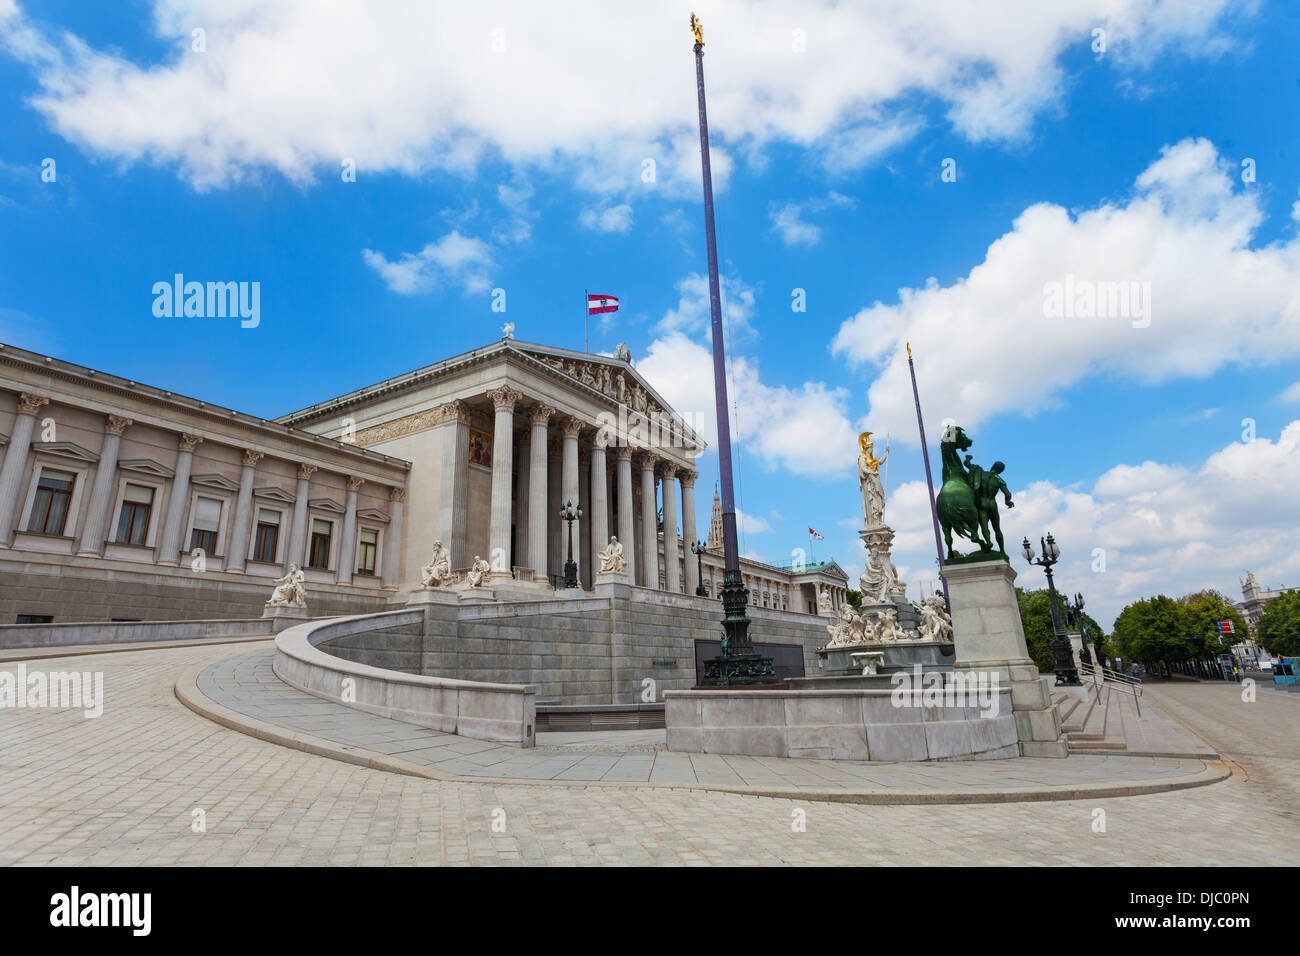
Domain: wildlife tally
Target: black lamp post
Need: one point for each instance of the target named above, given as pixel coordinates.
(570, 514)
(699, 548)
(1067, 675)
(1074, 613)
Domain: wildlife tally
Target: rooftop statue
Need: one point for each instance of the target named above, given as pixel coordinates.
(873, 492)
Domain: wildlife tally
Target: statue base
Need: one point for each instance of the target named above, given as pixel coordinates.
(990, 638)
(748, 670)
(427, 596)
(611, 577)
(476, 595)
(976, 556)
(283, 616)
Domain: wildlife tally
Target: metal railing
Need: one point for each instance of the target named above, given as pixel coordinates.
(1109, 679)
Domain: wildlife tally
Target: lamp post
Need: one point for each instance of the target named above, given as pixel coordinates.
(570, 514)
(1074, 613)
(699, 548)
(1067, 675)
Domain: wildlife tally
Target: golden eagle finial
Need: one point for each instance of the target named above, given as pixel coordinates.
(698, 29)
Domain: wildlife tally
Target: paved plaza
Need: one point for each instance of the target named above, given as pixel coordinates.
(124, 789)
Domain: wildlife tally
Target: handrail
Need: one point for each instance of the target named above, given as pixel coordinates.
(1109, 678)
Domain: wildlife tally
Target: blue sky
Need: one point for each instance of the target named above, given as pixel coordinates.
(498, 150)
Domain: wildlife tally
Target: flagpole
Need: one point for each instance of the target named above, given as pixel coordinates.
(586, 317)
(929, 479)
(737, 664)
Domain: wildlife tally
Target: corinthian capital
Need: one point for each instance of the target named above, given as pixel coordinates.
(354, 483)
(542, 413)
(30, 404)
(573, 427)
(504, 398)
(305, 472)
(251, 457)
(115, 424)
(188, 442)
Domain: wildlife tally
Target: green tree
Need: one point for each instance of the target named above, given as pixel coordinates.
(1278, 628)
(1152, 629)
(1036, 618)
(1205, 609)
(854, 598)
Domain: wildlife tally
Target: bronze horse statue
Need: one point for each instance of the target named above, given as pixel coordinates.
(956, 502)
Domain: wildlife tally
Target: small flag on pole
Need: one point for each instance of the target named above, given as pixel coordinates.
(1225, 627)
(597, 304)
(814, 534)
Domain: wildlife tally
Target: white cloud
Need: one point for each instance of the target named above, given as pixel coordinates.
(788, 223)
(772, 422)
(691, 314)
(455, 258)
(984, 345)
(297, 85)
(1161, 528)
(751, 524)
(605, 217)
(1291, 393)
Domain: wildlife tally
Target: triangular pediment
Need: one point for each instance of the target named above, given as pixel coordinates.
(613, 377)
(64, 449)
(147, 466)
(373, 514)
(269, 493)
(326, 504)
(216, 482)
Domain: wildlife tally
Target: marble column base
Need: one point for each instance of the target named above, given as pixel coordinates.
(989, 637)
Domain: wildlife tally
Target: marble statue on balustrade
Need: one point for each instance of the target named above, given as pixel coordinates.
(936, 624)
(437, 573)
(824, 608)
(612, 559)
(290, 590)
(478, 573)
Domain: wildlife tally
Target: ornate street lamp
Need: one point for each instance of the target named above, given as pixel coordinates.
(1067, 675)
(570, 514)
(699, 548)
(1074, 614)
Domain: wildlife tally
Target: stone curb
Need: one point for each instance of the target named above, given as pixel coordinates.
(14, 655)
(188, 693)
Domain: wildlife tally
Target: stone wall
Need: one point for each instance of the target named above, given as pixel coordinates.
(590, 650)
(72, 590)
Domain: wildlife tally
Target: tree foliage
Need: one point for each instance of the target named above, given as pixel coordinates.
(1278, 628)
(1165, 628)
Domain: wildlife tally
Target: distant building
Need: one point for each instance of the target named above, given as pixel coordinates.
(1254, 598)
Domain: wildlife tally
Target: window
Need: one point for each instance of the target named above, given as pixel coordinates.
(268, 534)
(207, 518)
(53, 495)
(367, 545)
(133, 524)
(35, 619)
(319, 555)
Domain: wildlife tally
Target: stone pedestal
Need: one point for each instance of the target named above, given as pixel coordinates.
(427, 596)
(282, 616)
(989, 637)
(898, 656)
(612, 577)
(476, 595)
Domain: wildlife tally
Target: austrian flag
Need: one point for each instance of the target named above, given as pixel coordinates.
(601, 303)
(814, 534)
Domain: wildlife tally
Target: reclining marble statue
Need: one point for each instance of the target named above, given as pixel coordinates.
(437, 573)
(612, 558)
(289, 590)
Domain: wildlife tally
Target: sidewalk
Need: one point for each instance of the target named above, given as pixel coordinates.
(242, 692)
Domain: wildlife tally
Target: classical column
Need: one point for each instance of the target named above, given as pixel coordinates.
(297, 552)
(569, 491)
(599, 498)
(626, 520)
(237, 553)
(101, 492)
(649, 524)
(348, 545)
(687, 479)
(393, 538)
(554, 498)
(503, 463)
(539, 509)
(453, 486)
(15, 466)
(170, 549)
(672, 551)
(519, 547)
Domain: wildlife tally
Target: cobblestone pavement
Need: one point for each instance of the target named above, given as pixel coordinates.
(246, 684)
(124, 788)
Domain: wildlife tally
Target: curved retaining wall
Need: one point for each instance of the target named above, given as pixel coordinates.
(846, 724)
(502, 713)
